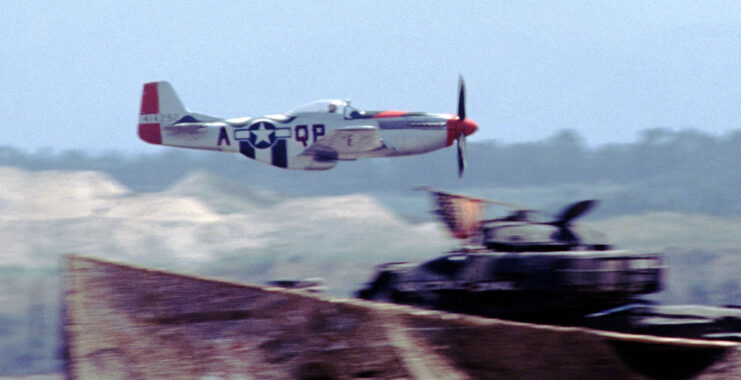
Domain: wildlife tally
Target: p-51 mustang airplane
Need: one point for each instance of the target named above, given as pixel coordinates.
(311, 137)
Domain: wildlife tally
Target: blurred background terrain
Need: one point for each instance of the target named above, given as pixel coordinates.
(223, 216)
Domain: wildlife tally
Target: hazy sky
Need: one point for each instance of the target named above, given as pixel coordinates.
(71, 72)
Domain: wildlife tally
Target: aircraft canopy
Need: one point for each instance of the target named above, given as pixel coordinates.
(329, 106)
(320, 106)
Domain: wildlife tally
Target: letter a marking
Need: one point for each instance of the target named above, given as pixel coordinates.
(223, 137)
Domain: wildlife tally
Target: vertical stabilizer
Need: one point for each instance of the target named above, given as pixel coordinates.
(160, 108)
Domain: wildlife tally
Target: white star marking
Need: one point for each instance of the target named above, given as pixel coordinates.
(262, 134)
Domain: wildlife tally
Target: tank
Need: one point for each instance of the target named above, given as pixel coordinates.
(521, 268)
(555, 287)
(525, 267)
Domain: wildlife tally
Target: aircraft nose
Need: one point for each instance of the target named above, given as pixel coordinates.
(457, 126)
(468, 126)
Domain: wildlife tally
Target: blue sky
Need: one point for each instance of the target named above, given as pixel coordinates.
(71, 72)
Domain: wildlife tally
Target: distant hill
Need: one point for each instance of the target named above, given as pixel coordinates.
(676, 171)
(202, 219)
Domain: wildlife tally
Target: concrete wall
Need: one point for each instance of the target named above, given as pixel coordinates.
(134, 323)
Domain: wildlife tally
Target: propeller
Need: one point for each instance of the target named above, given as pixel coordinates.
(461, 98)
(459, 127)
(461, 136)
(461, 154)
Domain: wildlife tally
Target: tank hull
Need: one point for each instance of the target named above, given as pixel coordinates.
(551, 287)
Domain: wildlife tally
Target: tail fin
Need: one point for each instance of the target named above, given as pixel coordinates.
(160, 108)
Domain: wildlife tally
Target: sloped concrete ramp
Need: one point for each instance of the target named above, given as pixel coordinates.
(124, 322)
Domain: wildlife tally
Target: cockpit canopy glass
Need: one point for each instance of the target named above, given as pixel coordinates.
(320, 106)
(327, 106)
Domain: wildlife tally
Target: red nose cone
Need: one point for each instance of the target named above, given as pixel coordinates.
(468, 126)
(457, 126)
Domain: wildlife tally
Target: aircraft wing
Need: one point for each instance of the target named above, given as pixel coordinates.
(345, 142)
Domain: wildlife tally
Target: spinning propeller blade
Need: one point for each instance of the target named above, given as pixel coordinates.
(461, 154)
(461, 122)
(461, 98)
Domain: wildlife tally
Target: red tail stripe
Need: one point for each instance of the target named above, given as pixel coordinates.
(150, 133)
(150, 99)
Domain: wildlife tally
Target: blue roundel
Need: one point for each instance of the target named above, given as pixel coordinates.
(262, 135)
